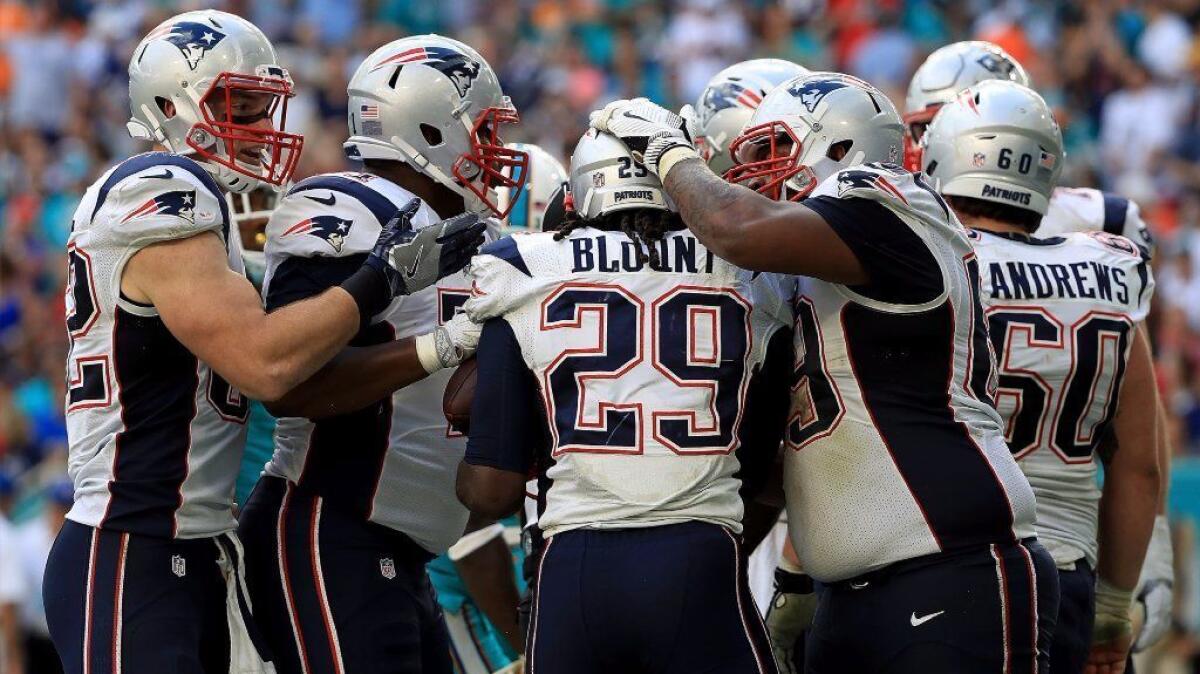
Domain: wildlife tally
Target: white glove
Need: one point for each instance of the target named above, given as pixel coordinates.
(647, 129)
(449, 344)
(1155, 594)
(791, 613)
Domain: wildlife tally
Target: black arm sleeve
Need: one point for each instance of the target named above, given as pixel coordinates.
(506, 427)
(299, 278)
(768, 400)
(900, 265)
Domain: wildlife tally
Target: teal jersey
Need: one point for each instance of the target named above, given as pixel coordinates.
(260, 444)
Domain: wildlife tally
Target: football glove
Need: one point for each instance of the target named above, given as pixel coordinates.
(412, 261)
(791, 613)
(1156, 595)
(448, 345)
(647, 129)
(1112, 632)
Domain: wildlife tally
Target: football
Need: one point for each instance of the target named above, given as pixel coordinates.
(460, 391)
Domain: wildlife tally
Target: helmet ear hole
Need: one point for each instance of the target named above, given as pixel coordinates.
(839, 149)
(932, 167)
(165, 106)
(431, 134)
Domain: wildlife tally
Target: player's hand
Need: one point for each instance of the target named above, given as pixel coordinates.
(413, 261)
(1156, 595)
(1112, 631)
(791, 613)
(646, 128)
(448, 345)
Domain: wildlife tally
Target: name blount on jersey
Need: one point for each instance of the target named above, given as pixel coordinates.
(608, 254)
(1016, 280)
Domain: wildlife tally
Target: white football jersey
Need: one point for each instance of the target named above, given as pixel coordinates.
(1062, 312)
(398, 471)
(643, 373)
(894, 448)
(1083, 209)
(155, 436)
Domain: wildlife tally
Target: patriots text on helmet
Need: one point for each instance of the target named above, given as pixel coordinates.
(1015, 196)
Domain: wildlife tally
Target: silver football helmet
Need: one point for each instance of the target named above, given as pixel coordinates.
(946, 72)
(606, 179)
(996, 141)
(219, 73)
(729, 100)
(436, 105)
(546, 177)
(788, 147)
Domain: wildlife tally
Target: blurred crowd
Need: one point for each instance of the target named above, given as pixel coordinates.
(1123, 76)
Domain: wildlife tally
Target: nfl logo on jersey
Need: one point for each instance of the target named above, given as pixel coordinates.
(178, 565)
(387, 568)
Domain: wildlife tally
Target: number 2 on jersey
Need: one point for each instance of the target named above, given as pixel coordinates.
(699, 339)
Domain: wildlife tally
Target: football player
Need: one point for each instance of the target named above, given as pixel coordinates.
(660, 371)
(902, 497)
(359, 494)
(943, 74)
(168, 337)
(1076, 375)
(1072, 209)
(728, 101)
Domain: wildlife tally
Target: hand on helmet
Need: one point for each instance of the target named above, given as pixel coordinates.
(413, 261)
(646, 128)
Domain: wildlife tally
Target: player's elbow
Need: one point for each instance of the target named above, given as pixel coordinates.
(271, 384)
(489, 492)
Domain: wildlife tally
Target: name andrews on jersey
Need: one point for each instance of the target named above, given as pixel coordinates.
(1030, 280)
(678, 254)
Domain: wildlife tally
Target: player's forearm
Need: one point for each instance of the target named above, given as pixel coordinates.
(287, 346)
(355, 378)
(489, 577)
(1127, 510)
(721, 215)
(754, 232)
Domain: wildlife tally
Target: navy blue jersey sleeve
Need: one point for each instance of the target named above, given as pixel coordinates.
(768, 400)
(299, 278)
(506, 426)
(901, 267)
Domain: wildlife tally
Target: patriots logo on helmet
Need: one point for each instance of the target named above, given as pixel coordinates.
(460, 68)
(330, 228)
(996, 63)
(178, 203)
(730, 94)
(810, 91)
(192, 38)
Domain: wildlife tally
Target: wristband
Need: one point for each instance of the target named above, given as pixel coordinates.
(427, 352)
(673, 156)
(369, 289)
(1112, 600)
(473, 541)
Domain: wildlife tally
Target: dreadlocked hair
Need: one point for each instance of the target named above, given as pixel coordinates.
(644, 226)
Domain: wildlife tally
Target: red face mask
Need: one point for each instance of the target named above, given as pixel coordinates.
(276, 150)
(767, 156)
(916, 122)
(490, 165)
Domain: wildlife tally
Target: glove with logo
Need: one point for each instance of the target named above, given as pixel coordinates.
(791, 613)
(448, 345)
(650, 131)
(413, 262)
